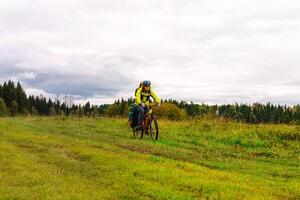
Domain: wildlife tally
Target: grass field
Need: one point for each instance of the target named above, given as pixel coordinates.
(59, 158)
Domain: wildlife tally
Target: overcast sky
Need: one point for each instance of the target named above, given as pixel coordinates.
(217, 51)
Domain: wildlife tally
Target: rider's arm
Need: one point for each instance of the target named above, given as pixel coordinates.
(154, 96)
(138, 100)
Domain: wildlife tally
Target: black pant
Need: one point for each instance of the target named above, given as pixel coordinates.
(142, 111)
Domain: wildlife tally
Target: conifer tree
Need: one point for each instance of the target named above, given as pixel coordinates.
(3, 109)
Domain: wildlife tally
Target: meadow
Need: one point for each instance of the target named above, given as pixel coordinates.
(86, 158)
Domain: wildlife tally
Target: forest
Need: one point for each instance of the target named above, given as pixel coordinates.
(14, 101)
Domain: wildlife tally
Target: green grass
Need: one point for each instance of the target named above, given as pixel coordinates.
(59, 158)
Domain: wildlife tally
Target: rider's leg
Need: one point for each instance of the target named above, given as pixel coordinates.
(146, 109)
(141, 112)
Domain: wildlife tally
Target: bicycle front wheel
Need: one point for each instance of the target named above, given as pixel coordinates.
(153, 126)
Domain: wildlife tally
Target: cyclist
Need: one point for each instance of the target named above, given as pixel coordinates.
(142, 100)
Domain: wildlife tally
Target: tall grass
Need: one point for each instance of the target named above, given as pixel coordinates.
(81, 158)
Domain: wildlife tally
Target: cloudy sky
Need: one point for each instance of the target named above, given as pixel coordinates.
(217, 51)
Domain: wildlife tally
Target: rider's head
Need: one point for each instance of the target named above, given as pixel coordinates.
(146, 85)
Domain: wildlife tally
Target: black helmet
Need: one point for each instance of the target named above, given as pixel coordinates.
(146, 83)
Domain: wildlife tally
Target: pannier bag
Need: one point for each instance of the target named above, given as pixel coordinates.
(133, 115)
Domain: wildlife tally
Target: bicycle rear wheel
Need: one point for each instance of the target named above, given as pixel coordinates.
(153, 126)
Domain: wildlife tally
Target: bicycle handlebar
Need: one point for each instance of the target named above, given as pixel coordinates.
(154, 104)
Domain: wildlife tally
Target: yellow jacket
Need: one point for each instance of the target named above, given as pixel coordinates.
(144, 97)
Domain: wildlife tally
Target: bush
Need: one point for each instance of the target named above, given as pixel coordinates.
(34, 111)
(52, 111)
(25, 111)
(3, 109)
(80, 112)
(14, 108)
(170, 111)
(113, 110)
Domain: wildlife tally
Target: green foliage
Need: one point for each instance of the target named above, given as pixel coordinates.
(14, 108)
(34, 111)
(25, 112)
(113, 110)
(119, 108)
(3, 109)
(52, 111)
(170, 111)
(80, 111)
(21, 99)
(255, 113)
(87, 109)
(17, 102)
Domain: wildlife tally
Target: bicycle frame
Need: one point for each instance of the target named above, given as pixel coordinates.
(148, 117)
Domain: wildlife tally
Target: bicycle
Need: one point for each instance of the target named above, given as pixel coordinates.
(149, 125)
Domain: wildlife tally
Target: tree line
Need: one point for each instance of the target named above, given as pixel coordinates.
(249, 113)
(14, 101)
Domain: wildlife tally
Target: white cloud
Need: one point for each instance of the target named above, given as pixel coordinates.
(39, 92)
(212, 51)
